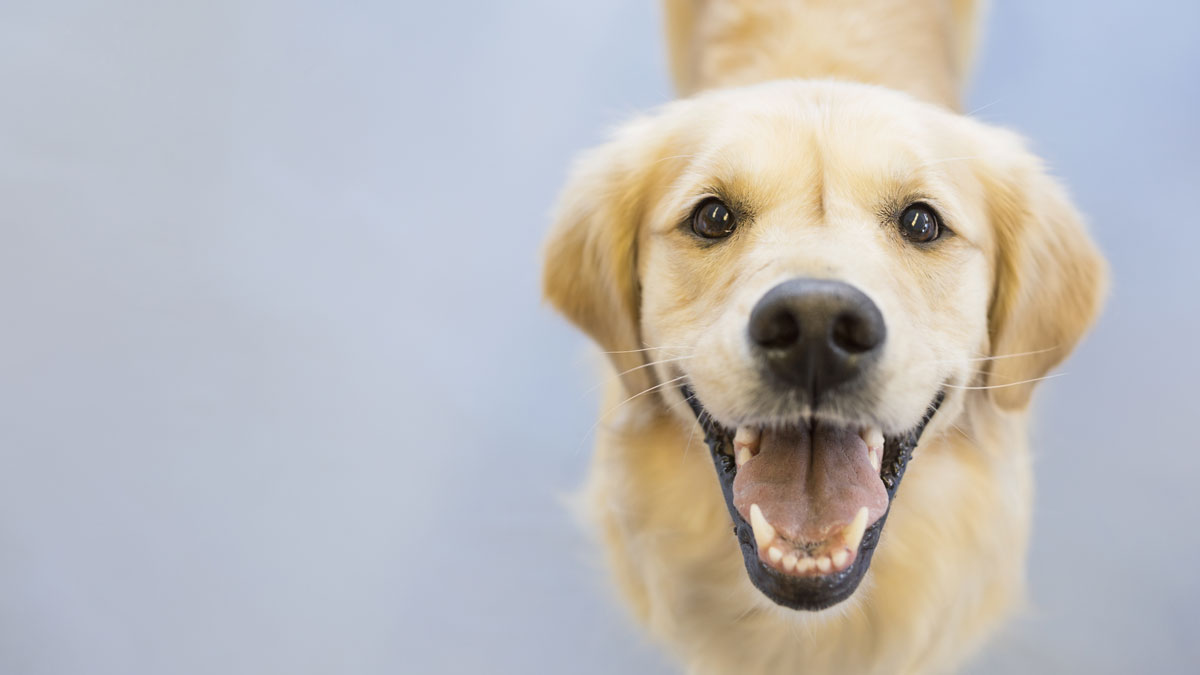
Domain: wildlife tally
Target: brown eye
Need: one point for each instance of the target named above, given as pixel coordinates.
(919, 223)
(713, 220)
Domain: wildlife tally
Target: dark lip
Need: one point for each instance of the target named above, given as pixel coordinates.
(816, 592)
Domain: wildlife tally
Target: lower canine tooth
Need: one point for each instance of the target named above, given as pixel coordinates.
(874, 457)
(840, 558)
(853, 533)
(764, 533)
(743, 455)
(746, 436)
(873, 437)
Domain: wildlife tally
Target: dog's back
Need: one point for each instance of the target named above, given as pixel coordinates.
(924, 47)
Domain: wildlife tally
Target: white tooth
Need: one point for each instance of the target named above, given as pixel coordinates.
(743, 456)
(805, 565)
(789, 561)
(823, 564)
(775, 554)
(873, 437)
(764, 534)
(874, 457)
(853, 533)
(840, 558)
(746, 436)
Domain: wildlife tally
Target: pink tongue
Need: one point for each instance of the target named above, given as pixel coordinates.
(809, 485)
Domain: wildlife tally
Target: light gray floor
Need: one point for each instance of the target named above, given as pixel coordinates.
(277, 394)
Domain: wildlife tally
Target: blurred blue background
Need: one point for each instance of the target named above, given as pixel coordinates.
(277, 393)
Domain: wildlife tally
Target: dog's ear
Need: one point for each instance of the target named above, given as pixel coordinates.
(1050, 280)
(590, 257)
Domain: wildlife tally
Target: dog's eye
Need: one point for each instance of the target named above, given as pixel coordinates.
(713, 220)
(919, 223)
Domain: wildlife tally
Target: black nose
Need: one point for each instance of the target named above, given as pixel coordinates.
(817, 333)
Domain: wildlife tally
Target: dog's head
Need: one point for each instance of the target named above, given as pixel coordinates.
(817, 268)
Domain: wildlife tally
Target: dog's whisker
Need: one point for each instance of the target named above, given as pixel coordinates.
(604, 415)
(634, 351)
(644, 365)
(977, 359)
(655, 363)
(1012, 356)
(989, 373)
(675, 405)
(964, 434)
(983, 107)
(631, 398)
(751, 609)
(687, 448)
(1006, 384)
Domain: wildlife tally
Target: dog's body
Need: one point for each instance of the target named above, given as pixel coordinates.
(1020, 285)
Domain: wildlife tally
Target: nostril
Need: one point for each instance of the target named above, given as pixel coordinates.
(775, 330)
(853, 333)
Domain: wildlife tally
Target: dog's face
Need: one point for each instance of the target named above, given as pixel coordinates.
(818, 268)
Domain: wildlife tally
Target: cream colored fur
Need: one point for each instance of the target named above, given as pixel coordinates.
(817, 161)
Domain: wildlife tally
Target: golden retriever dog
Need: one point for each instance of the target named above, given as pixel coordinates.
(814, 278)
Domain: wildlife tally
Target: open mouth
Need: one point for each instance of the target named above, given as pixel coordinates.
(808, 500)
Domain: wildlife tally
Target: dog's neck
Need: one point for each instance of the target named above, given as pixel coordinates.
(922, 47)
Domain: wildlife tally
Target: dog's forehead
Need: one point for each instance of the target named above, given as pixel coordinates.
(799, 143)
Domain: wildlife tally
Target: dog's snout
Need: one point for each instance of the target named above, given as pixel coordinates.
(817, 333)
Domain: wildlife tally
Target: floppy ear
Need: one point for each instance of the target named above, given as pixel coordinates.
(1050, 280)
(590, 258)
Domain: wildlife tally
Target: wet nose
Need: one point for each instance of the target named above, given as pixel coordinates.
(817, 334)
